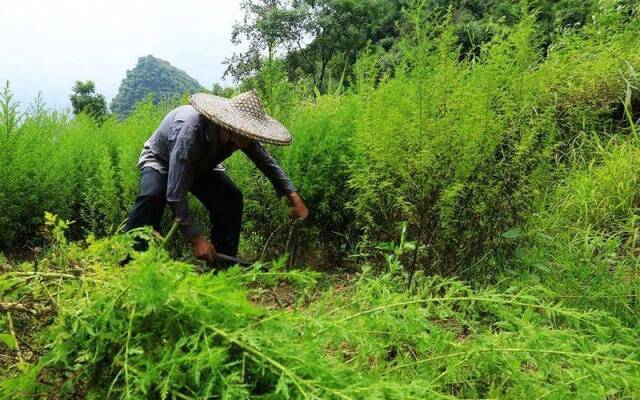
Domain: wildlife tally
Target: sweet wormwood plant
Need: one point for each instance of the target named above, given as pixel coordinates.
(157, 329)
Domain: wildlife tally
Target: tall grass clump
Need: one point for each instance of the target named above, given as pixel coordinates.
(582, 235)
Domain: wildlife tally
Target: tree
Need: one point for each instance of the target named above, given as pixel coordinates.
(85, 100)
(311, 35)
(9, 114)
(268, 25)
(222, 91)
(321, 39)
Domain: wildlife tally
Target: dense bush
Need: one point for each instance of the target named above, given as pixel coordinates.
(74, 167)
(461, 151)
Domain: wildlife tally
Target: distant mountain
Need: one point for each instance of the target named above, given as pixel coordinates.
(151, 75)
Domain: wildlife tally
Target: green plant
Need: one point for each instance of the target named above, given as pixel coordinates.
(158, 329)
(9, 114)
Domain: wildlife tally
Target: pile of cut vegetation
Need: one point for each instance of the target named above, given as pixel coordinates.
(76, 325)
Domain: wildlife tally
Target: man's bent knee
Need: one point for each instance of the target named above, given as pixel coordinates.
(155, 197)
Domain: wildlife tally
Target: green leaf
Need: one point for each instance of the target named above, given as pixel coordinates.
(512, 234)
(541, 267)
(389, 246)
(544, 236)
(8, 340)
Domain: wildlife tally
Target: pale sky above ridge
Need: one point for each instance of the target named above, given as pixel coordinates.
(48, 45)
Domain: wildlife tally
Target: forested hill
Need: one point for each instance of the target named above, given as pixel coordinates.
(151, 75)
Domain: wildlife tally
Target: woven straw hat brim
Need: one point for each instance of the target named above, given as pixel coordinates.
(226, 113)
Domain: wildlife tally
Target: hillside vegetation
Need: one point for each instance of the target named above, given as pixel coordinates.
(154, 76)
(473, 234)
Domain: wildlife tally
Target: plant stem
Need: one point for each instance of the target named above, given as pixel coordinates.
(172, 231)
(126, 351)
(8, 307)
(515, 350)
(447, 299)
(15, 338)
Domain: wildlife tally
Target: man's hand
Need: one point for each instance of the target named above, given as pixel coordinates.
(203, 249)
(298, 209)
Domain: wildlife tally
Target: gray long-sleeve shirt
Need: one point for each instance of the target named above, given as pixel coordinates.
(185, 146)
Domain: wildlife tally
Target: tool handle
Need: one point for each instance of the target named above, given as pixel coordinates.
(233, 260)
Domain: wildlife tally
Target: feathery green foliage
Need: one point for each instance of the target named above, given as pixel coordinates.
(157, 329)
(9, 114)
(463, 151)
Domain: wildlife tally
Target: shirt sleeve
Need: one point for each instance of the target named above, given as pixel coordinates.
(180, 177)
(270, 168)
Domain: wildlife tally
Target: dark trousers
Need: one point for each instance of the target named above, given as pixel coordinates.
(215, 190)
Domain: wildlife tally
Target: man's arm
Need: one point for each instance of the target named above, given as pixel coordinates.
(270, 168)
(279, 179)
(180, 179)
(179, 182)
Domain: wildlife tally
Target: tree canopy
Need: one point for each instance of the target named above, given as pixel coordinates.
(320, 40)
(312, 36)
(85, 100)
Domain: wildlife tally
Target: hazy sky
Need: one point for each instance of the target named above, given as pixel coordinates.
(48, 45)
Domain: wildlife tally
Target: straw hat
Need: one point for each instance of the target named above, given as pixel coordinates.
(242, 114)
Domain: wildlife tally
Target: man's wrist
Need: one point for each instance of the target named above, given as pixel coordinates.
(294, 197)
(196, 239)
